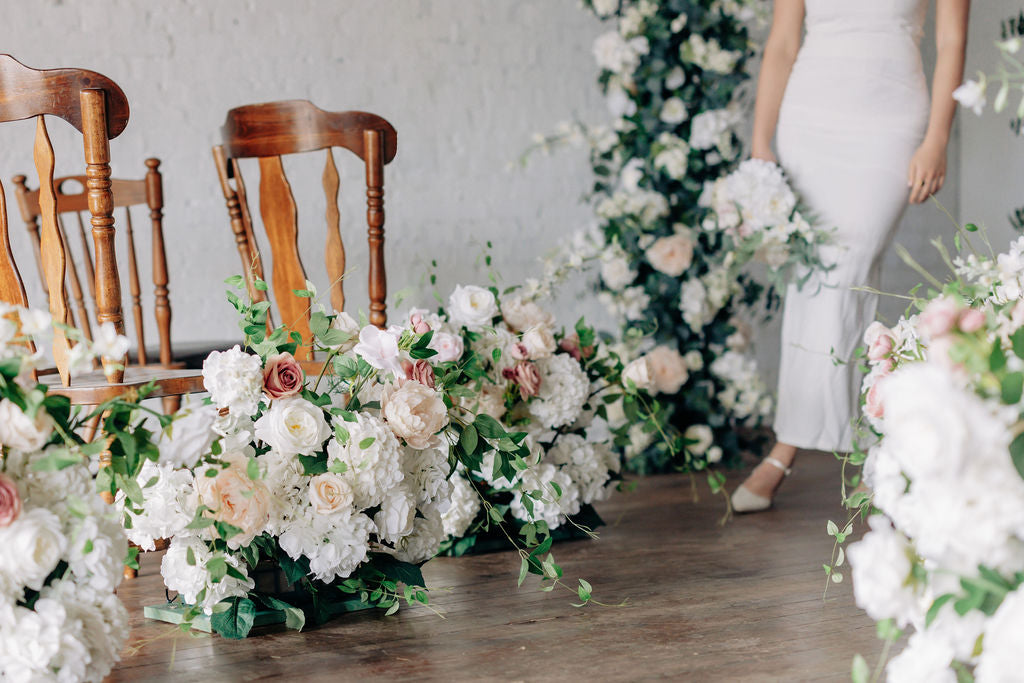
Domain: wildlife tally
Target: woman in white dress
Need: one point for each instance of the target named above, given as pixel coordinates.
(858, 139)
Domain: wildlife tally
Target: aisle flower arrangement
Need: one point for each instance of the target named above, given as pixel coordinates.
(339, 480)
(62, 547)
(573, 398)
(944, 470)
(678, 218)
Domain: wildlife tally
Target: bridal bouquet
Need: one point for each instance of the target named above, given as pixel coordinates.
(756, 208)
(340, 480)
(945, 552)
(565, 392)
(62, 547)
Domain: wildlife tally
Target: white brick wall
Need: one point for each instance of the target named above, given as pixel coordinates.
(465, 82)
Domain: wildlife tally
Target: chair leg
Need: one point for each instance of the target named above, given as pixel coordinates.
(171, 404)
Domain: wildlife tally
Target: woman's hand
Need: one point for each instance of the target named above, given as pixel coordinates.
(763, 152)
(927, 171)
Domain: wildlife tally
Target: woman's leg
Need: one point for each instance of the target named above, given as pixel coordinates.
(766, 477)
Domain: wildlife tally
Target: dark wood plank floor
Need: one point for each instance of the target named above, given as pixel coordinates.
(705, 603)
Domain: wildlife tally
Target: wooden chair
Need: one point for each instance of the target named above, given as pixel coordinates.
(96, 107)
(268, 131)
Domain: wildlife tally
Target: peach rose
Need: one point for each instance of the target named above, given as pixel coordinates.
(539, 342)
(938, 317)
(415, 413)
(971, 320)
(668, 369)
(526, 377)
(873, 405)
(10, 501)
(282, 376)
(236, 499)
(671, 255)
(329, 493)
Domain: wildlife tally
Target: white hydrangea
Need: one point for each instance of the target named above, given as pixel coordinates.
(549, 507)
(234, 379)
(713, 128)
(618, 55)
(163, 514)
(191, 579)
(425, 539)
(371, 471)
(925, 660)
(998, 662)
(464, 507)
(564, 388)
(589, 465)
(881, 566)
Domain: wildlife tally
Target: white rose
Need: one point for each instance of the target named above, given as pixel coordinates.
(604, 8)
(639, 371)
(448, 346)
(616, 273)
(330, 493)
(668, 369)
(675, 79)
(415, 413)
(346, 324)
(702, 436)
(19, 431)
(673, 111)
(694, 360)
(714, 454)
(293, 426)
(190, 435)
(671, 255)
(236, 499)
(632, 174)
(472, 306)
(395, 517)
(539, 342)
(522, 315)
(490, 400)
(234, 379)
(32, 546)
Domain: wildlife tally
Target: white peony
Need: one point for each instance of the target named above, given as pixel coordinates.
(998, 662)
(640, 372)
(472, 306)
(924, 660)
(190, 435)
(616, 271)
(32, 546)
(668, 369)
(564, 388)
(539, 342)
(881, 568)
(293, 426)
(521, 314)
(395, 517)
(234, 379)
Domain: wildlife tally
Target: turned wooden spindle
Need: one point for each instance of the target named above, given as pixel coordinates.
(134, 288)
(161, 292)
(238, 222)
(373, 144)
(30, 215)
(101, 208)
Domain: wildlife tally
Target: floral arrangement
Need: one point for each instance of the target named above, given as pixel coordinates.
(339, 480)
(677, 221)
(566, 391)
(944, 476)
(63, 548)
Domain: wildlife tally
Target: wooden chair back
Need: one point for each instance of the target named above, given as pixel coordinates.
(72, 203)
(269, 131)
(97, 108)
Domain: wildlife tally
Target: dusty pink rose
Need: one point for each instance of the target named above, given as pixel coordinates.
(282, 376)
(10, 501)
(526, 377)
(519, 351)
(419, 325)
(938, 317)
(421, 371)
(971, 320)
(571, 345)
(873, 405)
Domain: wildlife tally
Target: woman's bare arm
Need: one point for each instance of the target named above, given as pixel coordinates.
(927, 172)
(779, 55)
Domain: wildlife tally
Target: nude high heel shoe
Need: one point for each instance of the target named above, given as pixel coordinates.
(745, 500)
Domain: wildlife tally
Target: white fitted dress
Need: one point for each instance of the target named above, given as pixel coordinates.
(855, 110)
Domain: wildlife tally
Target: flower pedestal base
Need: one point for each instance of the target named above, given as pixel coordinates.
(174, 613)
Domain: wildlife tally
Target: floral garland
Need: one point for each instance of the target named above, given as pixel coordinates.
(340, 480)
(63, 548)
(945, 476)
(567, 392)
(677, 220)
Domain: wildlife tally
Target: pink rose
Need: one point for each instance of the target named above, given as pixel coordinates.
(10, 501)
(518, 351)
(938, 317)
(571, 345)
(971, 320)
(873, 405)
(448, 346)
(419, 326)
(526, 377)
(282, 376)
(880, 348)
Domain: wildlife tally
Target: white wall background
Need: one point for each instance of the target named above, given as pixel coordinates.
(465, 82)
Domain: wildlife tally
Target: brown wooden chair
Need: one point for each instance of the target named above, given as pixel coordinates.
(96, 107)
(268, 131)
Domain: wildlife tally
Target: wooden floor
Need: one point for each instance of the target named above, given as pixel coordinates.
(705, 603)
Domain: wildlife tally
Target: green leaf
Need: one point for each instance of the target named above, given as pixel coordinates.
(367, 442)
(1017, 454)
(933, 611)
(392, 609)
(235, 621)
(397, 570)
(860, 672)
(1012, 387)
(1017, 340)
(996, 359)
(260, 285)
(294, 618)
(253, 469)
(234, 281)
(524, 569)
(313, 464)
(468, 440)
(488, 427)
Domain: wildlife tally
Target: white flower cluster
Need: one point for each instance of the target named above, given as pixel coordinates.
(713, 129)
(708, 54)
(745, 394)
(66, 546)
(618, 55)
(952, 501)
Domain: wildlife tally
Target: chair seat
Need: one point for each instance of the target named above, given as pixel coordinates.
(92, 388)
(190, 354)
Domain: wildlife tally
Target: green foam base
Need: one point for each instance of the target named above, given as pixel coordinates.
(174, 613)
